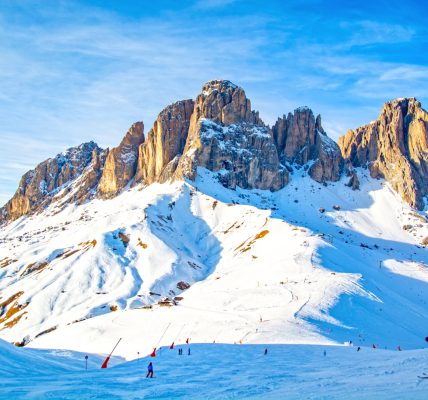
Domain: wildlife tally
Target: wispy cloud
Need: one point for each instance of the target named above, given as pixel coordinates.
(368, 32)
(405, 73)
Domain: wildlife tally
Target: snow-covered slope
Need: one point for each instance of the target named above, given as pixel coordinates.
(219, 371)
(283, 267)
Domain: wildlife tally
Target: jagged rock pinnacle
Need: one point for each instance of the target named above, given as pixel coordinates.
(394, 147)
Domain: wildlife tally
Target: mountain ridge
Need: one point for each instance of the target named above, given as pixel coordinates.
(210, 197)
(178, 143)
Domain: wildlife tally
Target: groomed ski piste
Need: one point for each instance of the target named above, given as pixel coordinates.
(300, 271)
(218, 371)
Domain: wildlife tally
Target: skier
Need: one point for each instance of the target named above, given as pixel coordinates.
(265, 351)
(188, 352)
(149, 370)
(359, 348)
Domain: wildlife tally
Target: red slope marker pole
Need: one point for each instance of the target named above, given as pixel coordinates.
(178, 334)
(108, 358)
(154, 350)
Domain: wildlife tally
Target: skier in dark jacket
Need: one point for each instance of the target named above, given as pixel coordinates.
(150, 371)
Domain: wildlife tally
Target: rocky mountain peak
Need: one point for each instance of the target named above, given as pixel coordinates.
(121, 162)
(223, 102)
(406, 104)
(226, 135)
(218, 85)
(134, 136)
(40, 185)
(300, 139)
(220, 132)
(165, 143)
(394, 147)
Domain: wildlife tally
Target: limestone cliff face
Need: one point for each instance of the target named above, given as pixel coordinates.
(38, 187)
(165, 142)
(88, 182)
(220, 132)
(394, 147)
(244, 155)
(225, 135)
(300, 139)
(121, 163)
(223, 102)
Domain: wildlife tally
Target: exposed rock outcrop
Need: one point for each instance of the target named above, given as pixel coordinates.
(165, 142)
(244, 155)
(220, 132)
(354, 181)
(39, 186)
(84, 187)
(225, 135)
(223, 102)
(121, 163)
(394, 147)
(300, 139)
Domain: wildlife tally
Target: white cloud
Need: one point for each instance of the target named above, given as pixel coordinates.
(368, 32)
(405, 72)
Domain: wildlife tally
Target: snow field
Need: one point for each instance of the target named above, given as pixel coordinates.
(220, 371)
(263, 268)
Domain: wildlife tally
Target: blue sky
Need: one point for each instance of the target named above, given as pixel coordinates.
(74, 71)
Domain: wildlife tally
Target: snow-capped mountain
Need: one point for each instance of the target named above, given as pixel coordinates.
(219, 228)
